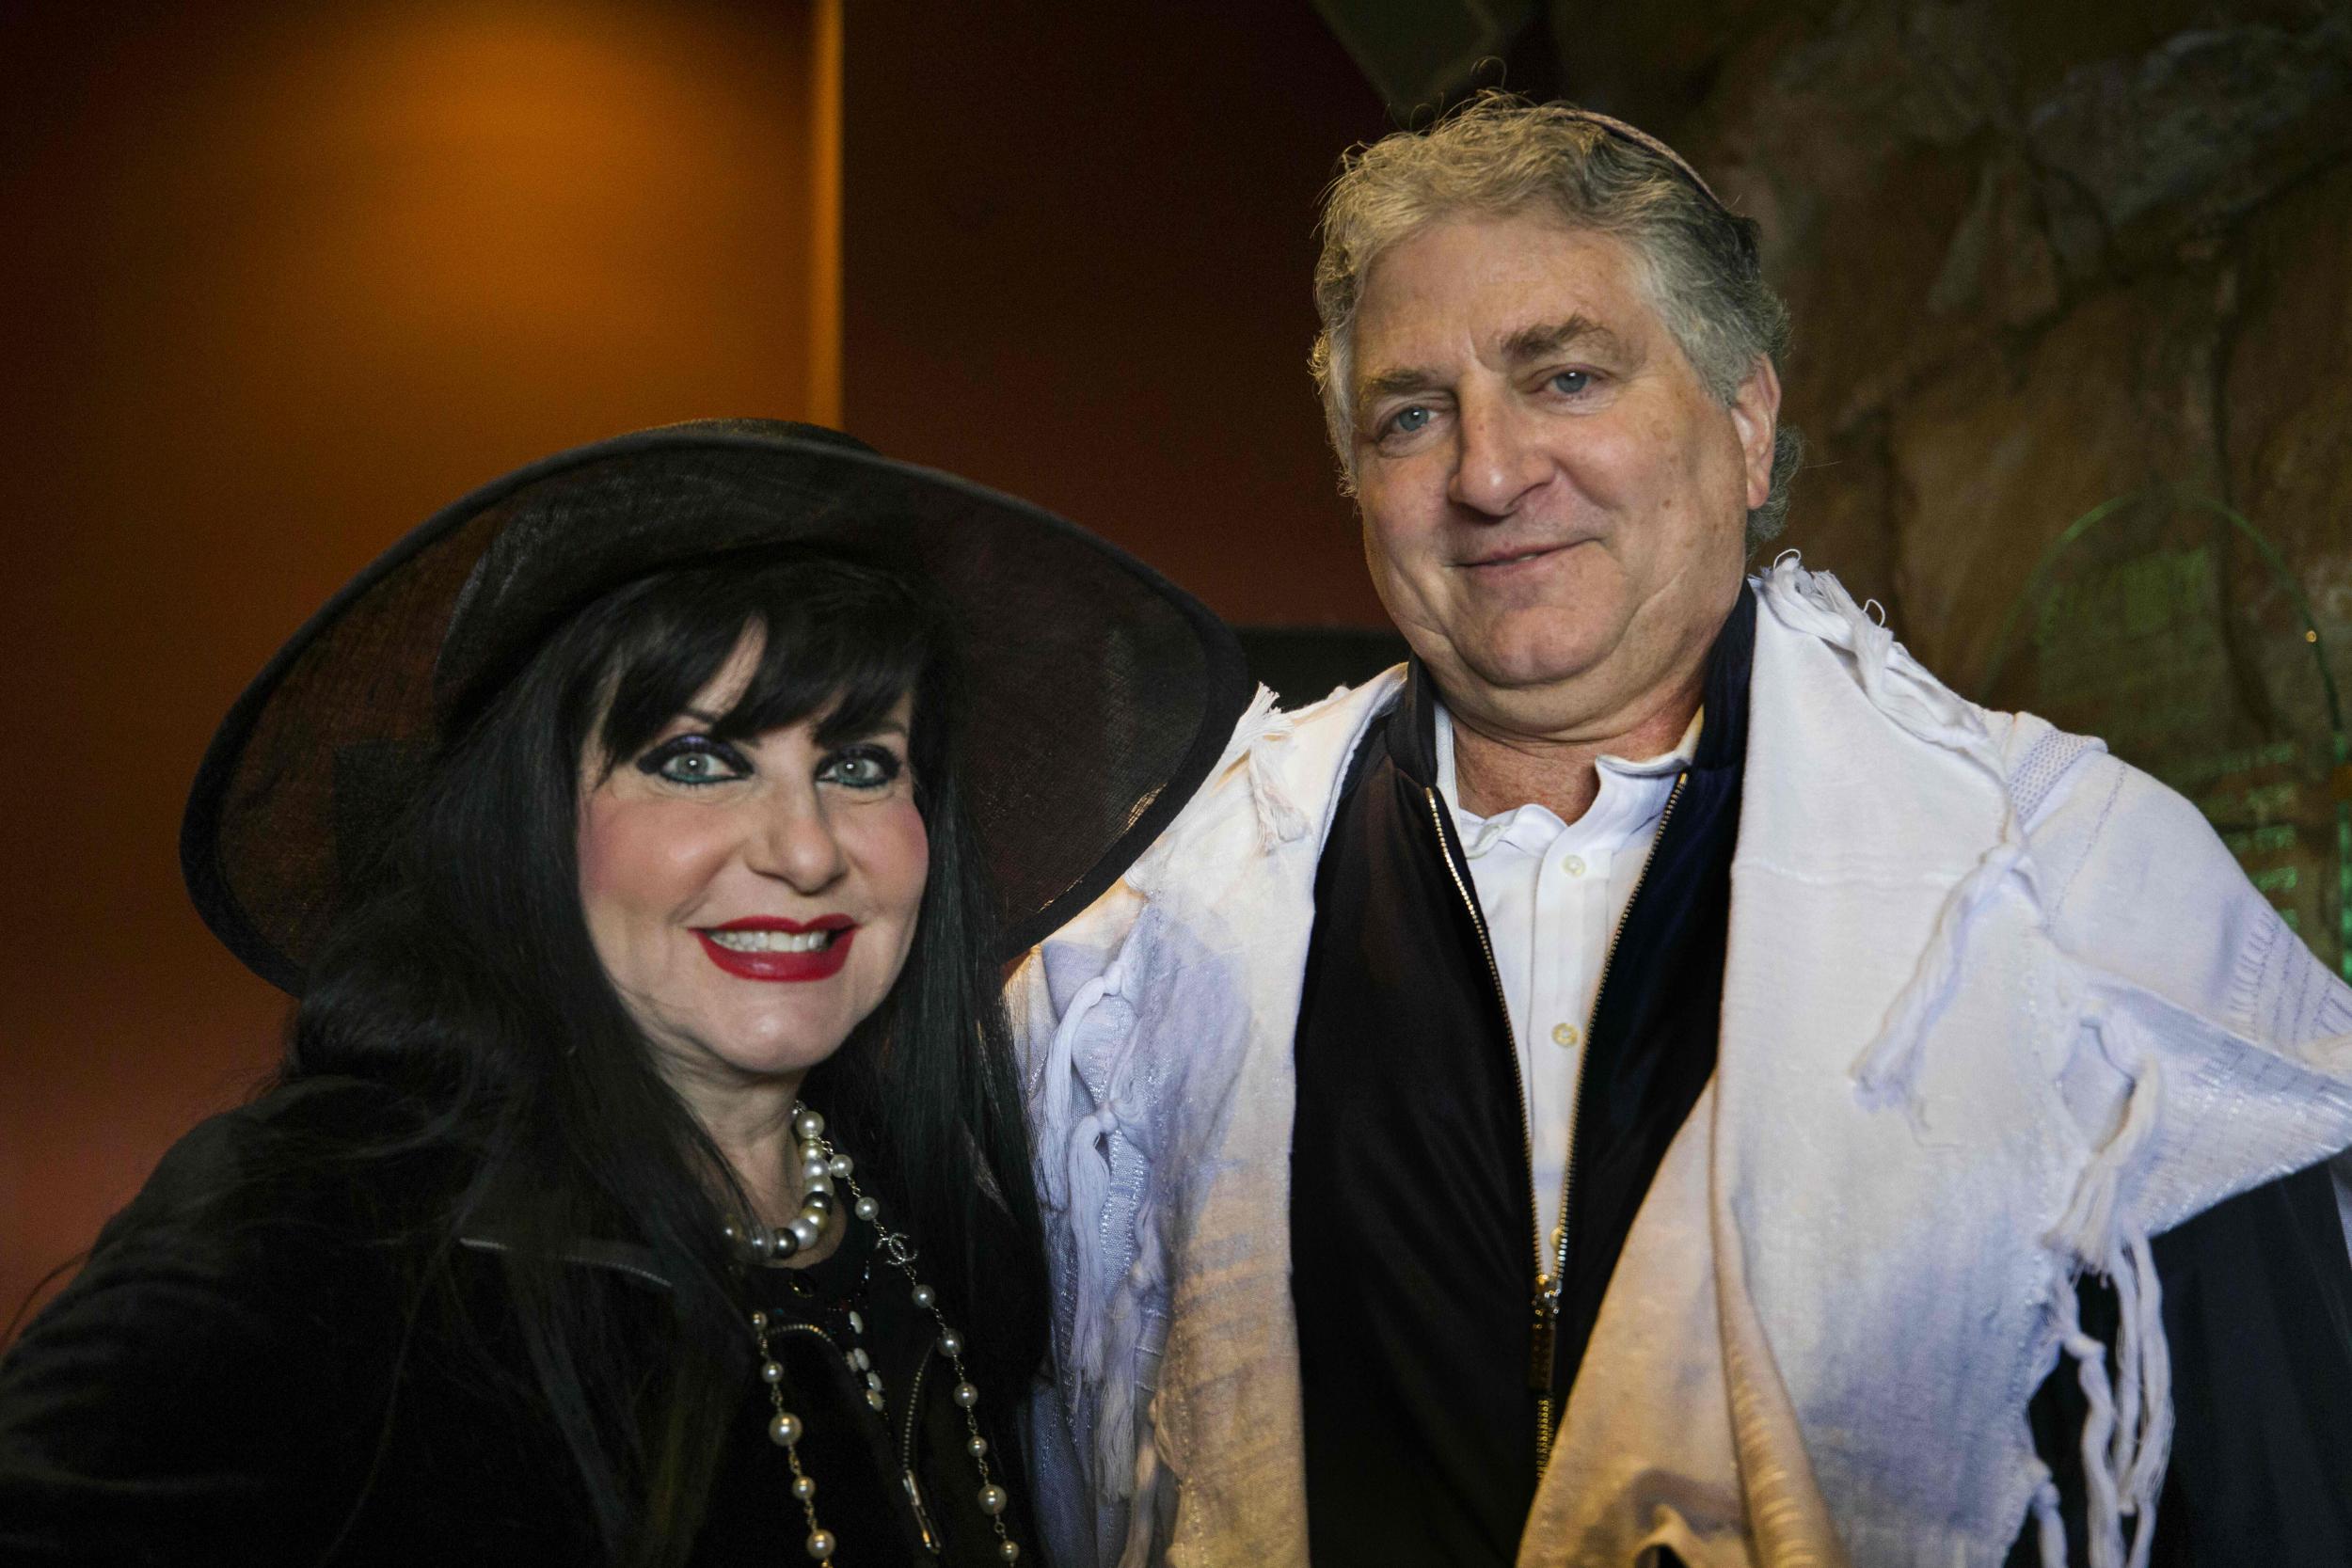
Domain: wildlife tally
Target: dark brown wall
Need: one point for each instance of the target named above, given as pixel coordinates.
(272, 288)
(1079, 241)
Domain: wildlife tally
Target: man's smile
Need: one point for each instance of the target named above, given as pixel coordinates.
(1505, 559)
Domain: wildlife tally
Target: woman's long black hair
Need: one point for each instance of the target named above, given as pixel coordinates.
(466, 979)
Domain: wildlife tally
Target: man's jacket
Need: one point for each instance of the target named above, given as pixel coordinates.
(1996, 1009)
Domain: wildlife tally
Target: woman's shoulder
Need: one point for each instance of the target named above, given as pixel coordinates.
(303, 1156)
(227, 1350)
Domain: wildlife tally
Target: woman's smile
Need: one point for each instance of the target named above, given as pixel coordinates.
(769, 947)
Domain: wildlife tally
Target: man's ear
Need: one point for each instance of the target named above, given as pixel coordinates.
(1755, 415)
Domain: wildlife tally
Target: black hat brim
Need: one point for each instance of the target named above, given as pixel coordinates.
(1099, 693)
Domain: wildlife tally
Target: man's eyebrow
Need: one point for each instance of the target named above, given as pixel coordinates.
(1534, 343)
(1407, 378)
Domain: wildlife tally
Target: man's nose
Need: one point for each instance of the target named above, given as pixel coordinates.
(795, 841)
(1496, 463)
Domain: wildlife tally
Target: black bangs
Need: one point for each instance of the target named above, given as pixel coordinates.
(832, 631)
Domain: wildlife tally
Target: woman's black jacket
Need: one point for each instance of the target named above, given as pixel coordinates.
(247, 1372)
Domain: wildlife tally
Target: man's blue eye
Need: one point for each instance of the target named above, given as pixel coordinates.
(1410, 421)
(860, 768)
(1572, 382)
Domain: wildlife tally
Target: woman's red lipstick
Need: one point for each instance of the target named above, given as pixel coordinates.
(815, 964)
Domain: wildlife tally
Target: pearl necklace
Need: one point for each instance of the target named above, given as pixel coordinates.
(821, 1165)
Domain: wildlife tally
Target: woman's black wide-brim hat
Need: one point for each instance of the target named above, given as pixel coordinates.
(1099, 694)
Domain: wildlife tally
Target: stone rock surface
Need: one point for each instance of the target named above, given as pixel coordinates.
(2201, 127)
(1999, 452)
(2288, 410)
(2288, 393)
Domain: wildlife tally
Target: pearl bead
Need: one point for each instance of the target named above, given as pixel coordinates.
(782, 1244)
(873, 1381)
(813, 1169)
(803, 1488)
(978, 1448)
(1008, 1550)
(991, 1499)
(818, 1199)
(967, 1395)
(761, 1241)
(840, 1164)
(925, 1296)
(759, 1320)
(803, 1230)
(821, 1544)
(808, 1125)
(771, 1372)
(950, 1342)
(858, 1359)
(874, 1398)
(785, 1430)
(857, 1324)
(868, 1209)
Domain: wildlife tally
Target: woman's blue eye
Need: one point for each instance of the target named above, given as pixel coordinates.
(694, 759)
(860, 768)
(1572, 382)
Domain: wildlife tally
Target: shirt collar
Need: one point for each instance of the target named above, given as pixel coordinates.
(1633, 793)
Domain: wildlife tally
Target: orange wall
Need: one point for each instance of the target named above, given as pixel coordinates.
(272, 288)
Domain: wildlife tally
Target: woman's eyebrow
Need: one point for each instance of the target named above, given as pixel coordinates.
(885, 726)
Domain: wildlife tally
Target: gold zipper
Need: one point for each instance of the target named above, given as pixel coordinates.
(1548, 1282)
(915, 1495)
(906, 1453)
(1548, 1304)
(1539, 1357)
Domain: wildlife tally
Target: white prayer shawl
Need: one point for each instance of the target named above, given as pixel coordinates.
(1996, 1009)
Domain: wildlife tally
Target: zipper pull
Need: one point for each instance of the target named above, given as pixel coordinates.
(1539, 1342)
(922, 1515)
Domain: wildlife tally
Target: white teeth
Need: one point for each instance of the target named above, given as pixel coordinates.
(772, 942)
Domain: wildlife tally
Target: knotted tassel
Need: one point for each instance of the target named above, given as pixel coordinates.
(2127, 1441)
(1059, 1083)
(1888, 1071)
(2049, 1527)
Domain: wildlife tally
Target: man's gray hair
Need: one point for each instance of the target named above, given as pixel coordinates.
(1500, 155)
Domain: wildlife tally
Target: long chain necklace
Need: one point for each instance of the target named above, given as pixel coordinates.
(821, 1165)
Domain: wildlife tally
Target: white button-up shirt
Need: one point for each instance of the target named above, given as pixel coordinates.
(1553, 892)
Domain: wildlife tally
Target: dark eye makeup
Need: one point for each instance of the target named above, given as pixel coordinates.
(863, 766)
(700, 759)
(694, 759)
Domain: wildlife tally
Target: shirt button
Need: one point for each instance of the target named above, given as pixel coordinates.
(1573, 866)
(1564, 1034)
